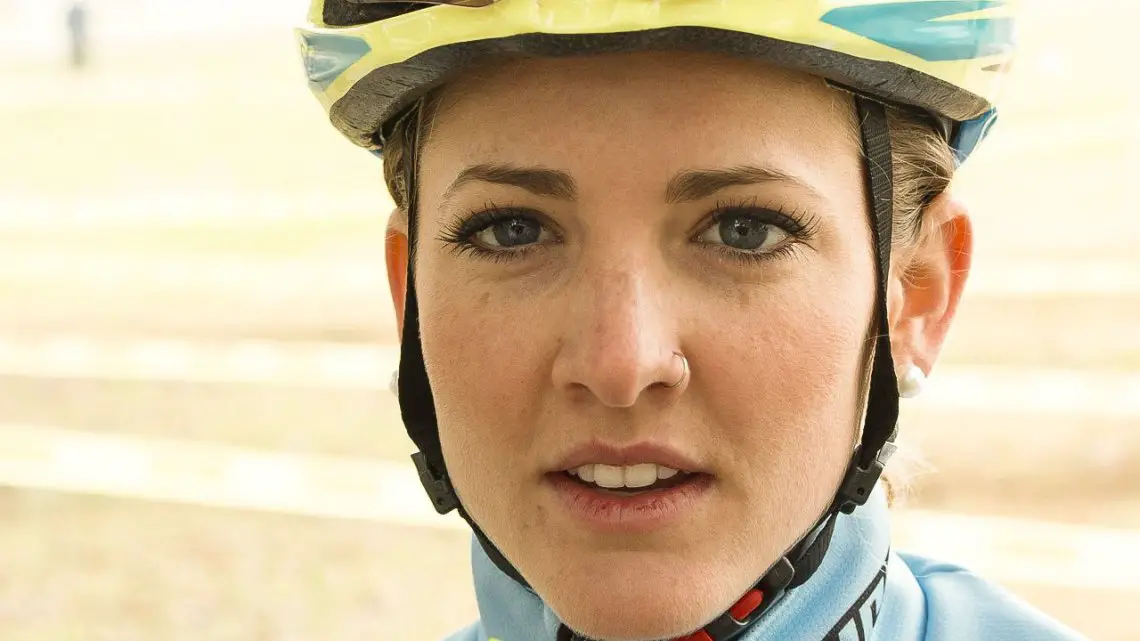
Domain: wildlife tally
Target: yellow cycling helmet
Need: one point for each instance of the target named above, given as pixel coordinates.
(368, 60)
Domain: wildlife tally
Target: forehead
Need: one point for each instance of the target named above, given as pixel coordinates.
(654, 113)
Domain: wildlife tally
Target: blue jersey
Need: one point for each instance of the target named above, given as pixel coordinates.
(863, 591)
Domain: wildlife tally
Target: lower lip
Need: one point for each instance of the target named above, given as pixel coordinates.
(633, 513)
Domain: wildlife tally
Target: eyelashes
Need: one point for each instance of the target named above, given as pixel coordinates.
(461, 233)
(501, 234)
(798, 226)
(794, 221)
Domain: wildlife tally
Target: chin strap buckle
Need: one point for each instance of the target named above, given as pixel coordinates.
(860, 481)
(750, 607)
(437, 484)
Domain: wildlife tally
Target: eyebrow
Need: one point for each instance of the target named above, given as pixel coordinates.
(537, 180)
(702, 183)
(686, 186)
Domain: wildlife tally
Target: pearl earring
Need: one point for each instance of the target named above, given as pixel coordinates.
(912, 381)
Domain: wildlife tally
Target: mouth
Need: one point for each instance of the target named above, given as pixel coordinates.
(628, 480)
(636, 498)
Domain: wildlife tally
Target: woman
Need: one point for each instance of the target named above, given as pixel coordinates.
(657, 266)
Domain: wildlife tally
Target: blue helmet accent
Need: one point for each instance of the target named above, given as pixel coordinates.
(327, 56)
(920, 28)
(970, 134)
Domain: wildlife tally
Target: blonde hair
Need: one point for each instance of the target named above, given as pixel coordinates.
(923, 166)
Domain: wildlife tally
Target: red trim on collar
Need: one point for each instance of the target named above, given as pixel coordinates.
(739, 611)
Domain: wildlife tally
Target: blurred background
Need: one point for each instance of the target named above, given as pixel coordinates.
(196, 441)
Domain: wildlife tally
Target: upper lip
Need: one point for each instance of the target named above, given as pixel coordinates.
(632, 454)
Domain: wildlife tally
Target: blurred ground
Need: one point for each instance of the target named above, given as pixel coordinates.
(192, 143)
(92, 568)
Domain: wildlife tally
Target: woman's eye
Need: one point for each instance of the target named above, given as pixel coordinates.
(745, 233)
(511, 232)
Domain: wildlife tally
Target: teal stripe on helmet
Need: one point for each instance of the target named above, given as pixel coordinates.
(327, 56)
(916, 28)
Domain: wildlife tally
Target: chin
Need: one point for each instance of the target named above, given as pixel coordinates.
(636, 605)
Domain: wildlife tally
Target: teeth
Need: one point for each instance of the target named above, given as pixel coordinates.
(632, 476)
(586, 473)
(640, 475)
(608, 476)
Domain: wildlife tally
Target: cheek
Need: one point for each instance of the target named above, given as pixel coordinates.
(482, 348)
(787, 382)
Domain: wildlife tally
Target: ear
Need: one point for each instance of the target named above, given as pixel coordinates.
(927, 284)
(396, 257)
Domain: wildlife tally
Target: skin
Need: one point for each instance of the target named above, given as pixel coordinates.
(573, 340)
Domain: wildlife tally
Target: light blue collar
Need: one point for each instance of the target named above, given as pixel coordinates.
(842, 600)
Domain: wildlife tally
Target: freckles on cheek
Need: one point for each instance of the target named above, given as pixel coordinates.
(788, 367)
(481, 361)
(457, 332)
(826, 341)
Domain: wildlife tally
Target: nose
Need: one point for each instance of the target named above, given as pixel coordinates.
(619, 339)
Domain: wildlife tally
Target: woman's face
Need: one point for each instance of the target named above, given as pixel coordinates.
(582, 222)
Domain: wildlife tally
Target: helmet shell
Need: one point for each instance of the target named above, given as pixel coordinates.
(368, 60)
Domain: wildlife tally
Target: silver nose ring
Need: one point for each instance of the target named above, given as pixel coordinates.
(684, 371)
